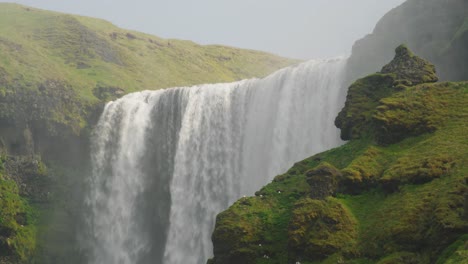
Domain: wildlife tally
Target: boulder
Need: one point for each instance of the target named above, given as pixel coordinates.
(323, 181)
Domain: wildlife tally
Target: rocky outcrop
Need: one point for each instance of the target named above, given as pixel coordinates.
(358, 118)
(409, 68)
(30, 174)
(108, 93)
(355, 119)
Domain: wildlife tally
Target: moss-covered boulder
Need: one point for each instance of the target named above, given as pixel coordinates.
(237, 239)
(323, 181)
(318, 229)
(409, 68)
(356, 119)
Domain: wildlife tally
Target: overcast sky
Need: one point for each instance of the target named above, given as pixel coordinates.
(302, 29)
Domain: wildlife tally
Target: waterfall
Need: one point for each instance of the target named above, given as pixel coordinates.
(166, 162)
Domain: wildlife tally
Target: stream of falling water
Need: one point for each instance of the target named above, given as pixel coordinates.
(166, 162)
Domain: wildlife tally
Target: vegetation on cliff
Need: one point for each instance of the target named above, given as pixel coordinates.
(396, 193)
(56, 73)
(22, 184)
(358, 117)
(57, 66)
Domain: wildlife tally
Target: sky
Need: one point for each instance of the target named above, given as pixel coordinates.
(302, 29)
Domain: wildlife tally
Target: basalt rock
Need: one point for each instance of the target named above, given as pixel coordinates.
(409, 68)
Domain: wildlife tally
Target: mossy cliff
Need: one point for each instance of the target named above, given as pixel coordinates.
(23, 182)
(395, 193)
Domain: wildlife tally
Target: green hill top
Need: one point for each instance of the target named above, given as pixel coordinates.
(79, 61)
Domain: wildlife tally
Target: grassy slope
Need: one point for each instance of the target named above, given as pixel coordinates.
(55, 69)
(404, 202)
(37, 45)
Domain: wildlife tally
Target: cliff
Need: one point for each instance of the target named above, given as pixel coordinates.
(434, 29)
(395, 193)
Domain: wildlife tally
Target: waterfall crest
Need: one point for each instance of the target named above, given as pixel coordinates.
(166, 162)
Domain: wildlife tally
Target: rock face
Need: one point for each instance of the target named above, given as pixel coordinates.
(31, 176)
(433, 29)
(357, 119)
(23, 180)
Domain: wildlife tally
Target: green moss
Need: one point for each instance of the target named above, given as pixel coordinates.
(320, 228)
(416, 110)
(402, 258)
(416, 219)
(240, 232)
(418, 169)
(323, 181)
(455, 253)
(17, 223)
(357, 119)
(364, 171)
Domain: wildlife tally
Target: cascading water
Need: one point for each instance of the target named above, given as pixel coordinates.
(166, 162)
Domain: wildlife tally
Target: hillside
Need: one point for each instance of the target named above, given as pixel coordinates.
(56, 73)
(80, 61)
(92, 53)
(395, 193)
(436, 30)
